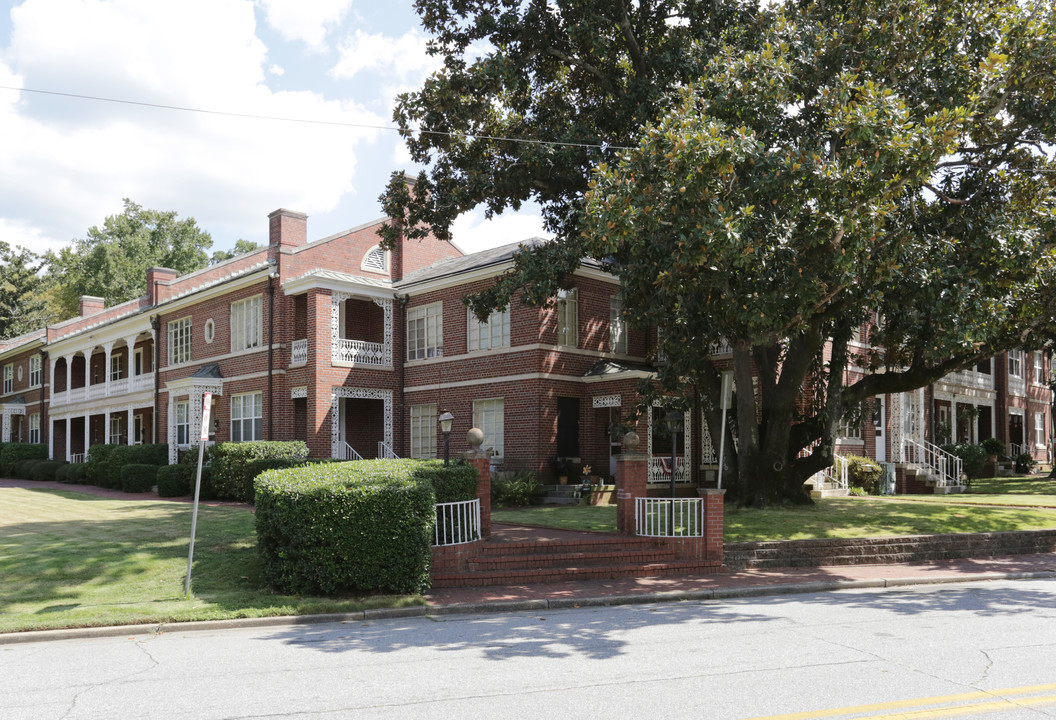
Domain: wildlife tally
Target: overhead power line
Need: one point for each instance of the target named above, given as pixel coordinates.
(307, 121)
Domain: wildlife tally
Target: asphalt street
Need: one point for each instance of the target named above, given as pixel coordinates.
(983, 649)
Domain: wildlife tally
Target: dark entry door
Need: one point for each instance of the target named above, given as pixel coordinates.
(567, 427)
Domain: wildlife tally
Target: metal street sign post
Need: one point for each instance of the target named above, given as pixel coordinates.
(207, 401)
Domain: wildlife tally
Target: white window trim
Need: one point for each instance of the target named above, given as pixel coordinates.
(567, 311)
(484, 411)
(1015, 357)
(9, 378)
(247, 323)
(35, 371)
(617, 326)
(431, 320)
(423, 430)
(185, 407)
(1040, 436)
(116, 367)
(481, 335)
(181, 329)
(34, 428)
(240, 419)
(1039, 368)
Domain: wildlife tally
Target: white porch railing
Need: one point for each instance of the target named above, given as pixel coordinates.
(457, 522)
(76, 395)
(360, 351)
(58, 398)
(972, 379)
(385, 452)
(143, 382)
(669, 517)
(299, 352)
(660, 470)
(834, 477)
(1016, 449)
(77, 457)
(1017, 385)
(351, 454)
(118, 387)
(946, 465)
(97, 391)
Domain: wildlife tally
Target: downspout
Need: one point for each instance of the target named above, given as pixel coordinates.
(400, 358)
(155, 326)
(44, 423)
(271, 354)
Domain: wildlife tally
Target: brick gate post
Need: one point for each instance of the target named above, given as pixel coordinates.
(632, 474)
(482, 462)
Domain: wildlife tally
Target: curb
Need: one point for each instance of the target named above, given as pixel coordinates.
(507, 606)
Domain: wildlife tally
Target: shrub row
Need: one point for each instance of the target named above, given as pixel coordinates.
(12, 454)
(232, 476)
(105, 462)
(355, 526)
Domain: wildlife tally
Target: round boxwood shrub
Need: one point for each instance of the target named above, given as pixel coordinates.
(25, 468)
(11, 454)
(346, 527)
(76, 473)
(865, 473)
(138, 477)
(46, 470)
(174, 480)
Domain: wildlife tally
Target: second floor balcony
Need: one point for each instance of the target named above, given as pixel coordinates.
(108, 371)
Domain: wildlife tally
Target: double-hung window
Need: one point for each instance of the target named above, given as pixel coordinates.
(1039, 429)
(1039, 367)
(488, 415)
(247, 417)
(492, 333)
(9, 378)
(34, 428)
(567, 318)
(423, 431)
(117, 429)
(247, 328)
(35, 372)
(117, 366)
(425, 332)
(617, 326)
(180, 341)
(183, 422)
(1015, 363)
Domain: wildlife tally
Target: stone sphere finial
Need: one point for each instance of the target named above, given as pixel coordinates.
(631, 442)
(474, 438)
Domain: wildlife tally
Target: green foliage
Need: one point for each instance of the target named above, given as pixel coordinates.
(231, 476)
(46, 470)
(1025, 463)
(24, 469)
(138, 477)
(516, 489)
(254, 468)
(22, 304)
(343, 527)
(865, 473)
(74, 473)
(14, 453)
(104, 462)
(973, 457)
(98, 467)
(858, 491)
(454, 483)
(111, 262)
(189, 458)
(241, 248)
(993, 446)
(174, 480)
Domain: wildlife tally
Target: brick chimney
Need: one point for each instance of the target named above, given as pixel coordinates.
(158, 280)
(287, 228)
(90, 305)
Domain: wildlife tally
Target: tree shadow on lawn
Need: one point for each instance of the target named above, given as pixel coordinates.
(600, 633)
(56, 564)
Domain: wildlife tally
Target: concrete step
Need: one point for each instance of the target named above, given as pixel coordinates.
(562, 574)
(571, 559)
(598, 543)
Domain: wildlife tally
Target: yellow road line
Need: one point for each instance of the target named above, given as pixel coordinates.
(939, 700)
(975, 709)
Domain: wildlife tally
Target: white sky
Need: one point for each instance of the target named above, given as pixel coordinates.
(66, 163)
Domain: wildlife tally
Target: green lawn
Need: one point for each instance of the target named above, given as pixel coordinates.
(1031, 491)
(844, 517)
(68, 559)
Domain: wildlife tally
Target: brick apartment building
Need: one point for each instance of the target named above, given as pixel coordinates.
(357, 351)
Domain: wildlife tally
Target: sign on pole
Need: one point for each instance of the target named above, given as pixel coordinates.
(207, 403)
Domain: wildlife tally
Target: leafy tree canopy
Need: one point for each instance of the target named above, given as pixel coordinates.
(22, 305)
(241, 248)
(796, 171)
(112, 261)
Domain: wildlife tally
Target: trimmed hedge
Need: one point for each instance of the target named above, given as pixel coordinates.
(865, 473)
(13, 453)
(46, 470)
(175, 480)
(454, 483)
(71, 473)
(105, 461)
(231, 476)
(25, 468)
(346, 527)
(255, 468)
(138, 477)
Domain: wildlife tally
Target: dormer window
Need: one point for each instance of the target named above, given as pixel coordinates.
(376, 260)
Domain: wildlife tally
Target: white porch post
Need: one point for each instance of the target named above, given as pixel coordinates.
(87, 433)
(68, 438)
(953, 420)
(128, 427)
(106, 426)
(53, 361)
(87, 377)
(106, 371)
(51, 439)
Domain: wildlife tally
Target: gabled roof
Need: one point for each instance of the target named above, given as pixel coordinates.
(466, 263)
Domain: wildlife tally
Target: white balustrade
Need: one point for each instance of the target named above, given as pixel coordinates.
(351, 454)
(669, 517)
(360, 352)
(143, 382)
(457, 523)
(972, 379)
(386, 453)
(833, 477)
(299, 352)
(119, 387)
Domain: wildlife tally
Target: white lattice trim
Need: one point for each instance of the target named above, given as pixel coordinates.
(299, 392)
(608, 401)
(336, 394)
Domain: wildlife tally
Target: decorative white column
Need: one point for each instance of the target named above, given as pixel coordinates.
(68, 438)
(87, 379)
(106, 369)
(106, 426)
(53, 361)
(87, 433)
(174, 452)
(953, 420)
(128, 427)
(51, 439)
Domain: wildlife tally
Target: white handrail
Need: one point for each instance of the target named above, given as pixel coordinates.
(359, 352)
(351, 454)
(669, 517)
(946, 465)
(835, 475)
(457, 523)
(385, 452)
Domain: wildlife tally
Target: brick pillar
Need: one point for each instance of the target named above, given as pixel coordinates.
(482, 462)
(632, 474)
(713, 524)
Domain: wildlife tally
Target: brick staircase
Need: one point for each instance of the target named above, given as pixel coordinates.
(877, 551)
(594, 556)
(922, 480)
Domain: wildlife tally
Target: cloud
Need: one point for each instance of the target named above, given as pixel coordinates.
(473, 232)
(306, 20)
(65, 161)
(403, 57)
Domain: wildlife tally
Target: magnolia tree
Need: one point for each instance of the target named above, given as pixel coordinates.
(826, 166)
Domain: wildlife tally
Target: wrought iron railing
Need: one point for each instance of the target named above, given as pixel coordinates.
(457, 522)
(669, 517)
(946, 466)
(386, 453)
(359, 352)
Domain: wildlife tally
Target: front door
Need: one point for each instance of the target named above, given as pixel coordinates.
(1015, 431)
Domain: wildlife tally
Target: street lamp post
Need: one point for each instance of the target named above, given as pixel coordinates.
(674, 425)
(446, 420)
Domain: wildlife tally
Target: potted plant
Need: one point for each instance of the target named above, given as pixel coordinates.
(994, 448)
(560, 466)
